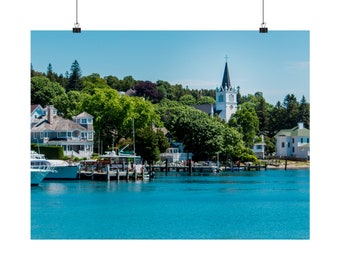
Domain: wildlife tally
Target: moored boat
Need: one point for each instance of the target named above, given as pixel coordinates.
(113, 166)
(39, 169)
(61, 169)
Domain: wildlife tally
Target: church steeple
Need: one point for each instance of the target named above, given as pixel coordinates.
(226, 97)
(226, 78)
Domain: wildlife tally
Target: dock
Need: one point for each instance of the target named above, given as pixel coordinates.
(108, 174)
(205, 168)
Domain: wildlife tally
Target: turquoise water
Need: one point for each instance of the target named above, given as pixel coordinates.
(271, 204)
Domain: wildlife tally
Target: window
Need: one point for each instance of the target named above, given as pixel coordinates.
(293, 149)
(231, 98)
(288, 145)
(83, 120)
(220, 98)
(293, 140)
(301, 140)
(307, 140)
(282, 144)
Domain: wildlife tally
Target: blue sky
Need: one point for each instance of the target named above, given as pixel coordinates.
(276, 63)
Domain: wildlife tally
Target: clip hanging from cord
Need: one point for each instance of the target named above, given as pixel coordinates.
(76, 28)
(263, 28)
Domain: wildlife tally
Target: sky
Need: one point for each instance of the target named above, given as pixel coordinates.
(275, 64)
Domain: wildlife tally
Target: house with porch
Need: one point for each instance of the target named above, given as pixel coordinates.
(259, 148)
(75, 136)
(293, 142)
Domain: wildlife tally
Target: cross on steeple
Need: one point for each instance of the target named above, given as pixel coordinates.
(226, 57)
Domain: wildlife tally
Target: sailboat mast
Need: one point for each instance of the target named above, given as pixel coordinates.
(133, 134)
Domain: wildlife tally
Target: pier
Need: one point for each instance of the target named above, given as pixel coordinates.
(108, 174)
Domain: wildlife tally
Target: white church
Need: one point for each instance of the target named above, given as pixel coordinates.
(226, 97)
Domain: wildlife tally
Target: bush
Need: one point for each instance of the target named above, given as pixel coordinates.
(50, 152)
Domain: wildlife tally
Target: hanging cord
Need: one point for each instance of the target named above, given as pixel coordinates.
(76, 28)
(263, 28)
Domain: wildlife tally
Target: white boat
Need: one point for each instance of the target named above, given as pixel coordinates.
(61, 169)
(110, 163)
(39, 169)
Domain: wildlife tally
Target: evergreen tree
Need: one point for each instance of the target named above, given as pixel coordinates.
(291, 105)
(74, 81)
(50, 74)
(304, 112)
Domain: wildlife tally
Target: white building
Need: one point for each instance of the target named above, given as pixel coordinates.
(293, 142)
(175, 153)
(259, 148)
(226, 97)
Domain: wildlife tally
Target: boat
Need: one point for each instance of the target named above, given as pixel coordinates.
(39, 169)
(62, 169)
(112, 166)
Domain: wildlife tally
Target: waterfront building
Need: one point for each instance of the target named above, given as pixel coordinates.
(293, 142)
(75, 136)
(259, 148)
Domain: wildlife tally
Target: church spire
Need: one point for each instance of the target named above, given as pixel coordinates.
(226, 78)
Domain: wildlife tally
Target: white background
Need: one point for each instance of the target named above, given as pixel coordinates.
(18, 18)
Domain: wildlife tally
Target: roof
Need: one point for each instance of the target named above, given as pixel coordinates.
(35, 106)
(59, 124)
(204, 108)
(226, 78)
(294, 132)
(300, 132)
(83, 115)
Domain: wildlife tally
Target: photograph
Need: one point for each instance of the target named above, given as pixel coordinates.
(170, 135)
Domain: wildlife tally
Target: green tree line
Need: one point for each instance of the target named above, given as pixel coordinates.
(117, 104)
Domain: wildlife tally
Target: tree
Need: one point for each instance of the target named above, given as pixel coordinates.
(162, 140)
(247, 122)
(149, 144)
(43, 91)
(113, 82)
(148, 90)
(200, 134)
(291, 106)
(50, 74)
(187, 100)
(114, 112)
(304, 112)
(206, 100)
(127, 83)
(93, 81)
(74, 81)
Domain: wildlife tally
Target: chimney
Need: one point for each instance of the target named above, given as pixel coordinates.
(50, 114)
(300, 125)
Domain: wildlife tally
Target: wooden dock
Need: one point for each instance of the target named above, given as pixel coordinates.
(205, 168)
(107, 175)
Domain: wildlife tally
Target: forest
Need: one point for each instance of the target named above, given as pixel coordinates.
(118, 104)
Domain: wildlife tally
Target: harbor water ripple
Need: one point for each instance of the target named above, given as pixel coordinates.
(272, 204)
